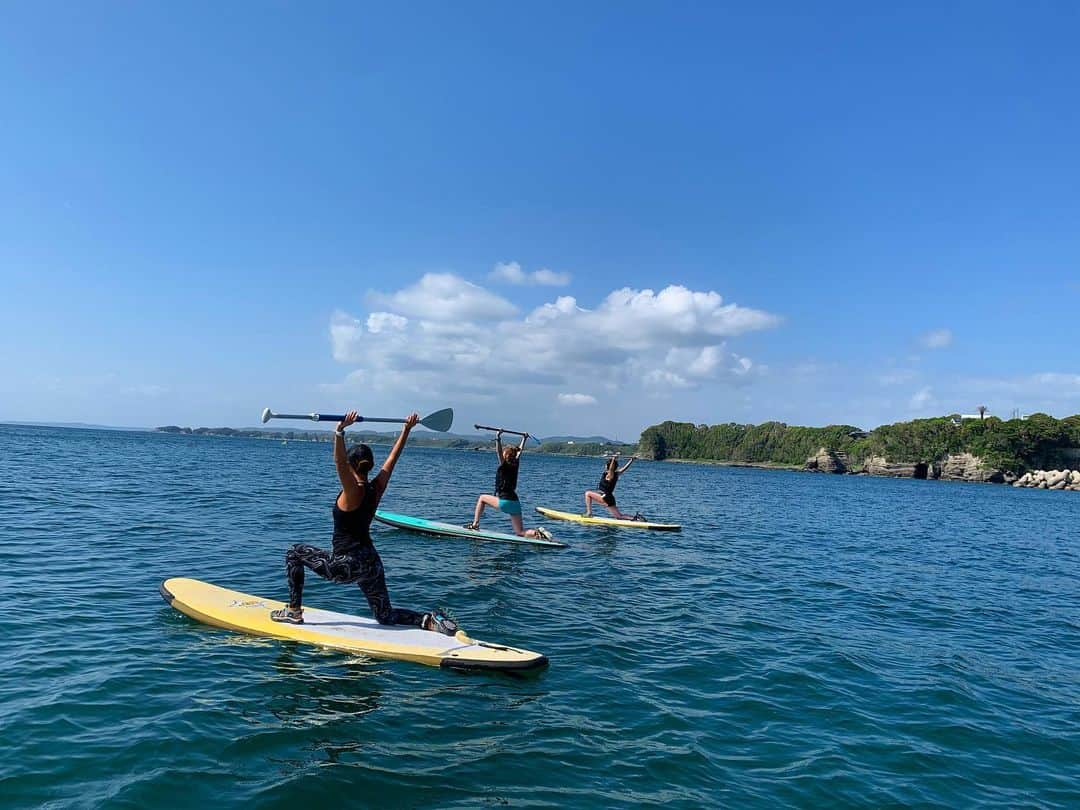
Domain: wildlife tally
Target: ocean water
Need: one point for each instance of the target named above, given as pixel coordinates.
(805, 641)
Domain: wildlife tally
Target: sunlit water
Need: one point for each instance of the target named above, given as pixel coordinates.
(806, 640)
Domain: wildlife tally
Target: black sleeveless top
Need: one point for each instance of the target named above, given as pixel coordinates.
(352, 529)
(606, 485)
(506, 481)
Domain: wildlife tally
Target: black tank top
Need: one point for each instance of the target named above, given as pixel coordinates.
(352, 529)
(506, 481)
(607, 485)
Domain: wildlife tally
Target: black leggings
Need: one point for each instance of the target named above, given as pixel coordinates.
(364, 567)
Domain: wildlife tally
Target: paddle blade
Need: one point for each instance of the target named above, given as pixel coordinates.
(440, 420)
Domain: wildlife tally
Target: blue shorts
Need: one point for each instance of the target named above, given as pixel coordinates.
(509, 507)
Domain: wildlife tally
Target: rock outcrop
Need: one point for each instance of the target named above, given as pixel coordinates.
(827, 461)
(879, 465)
(1050, 479)
(967, 467)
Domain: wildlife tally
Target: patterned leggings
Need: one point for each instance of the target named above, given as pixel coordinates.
(364, 567)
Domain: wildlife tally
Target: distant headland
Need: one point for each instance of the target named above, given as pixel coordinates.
(1037, 450)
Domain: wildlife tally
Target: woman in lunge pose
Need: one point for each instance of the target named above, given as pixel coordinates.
(606, 494)
(505, 498)
(354, 558)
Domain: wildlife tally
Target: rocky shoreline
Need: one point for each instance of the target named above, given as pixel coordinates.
(955, 467)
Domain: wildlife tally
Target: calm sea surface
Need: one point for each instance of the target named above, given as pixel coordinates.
(806, 640)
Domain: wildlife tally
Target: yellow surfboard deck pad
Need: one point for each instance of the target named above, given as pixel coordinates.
(589, 520)
(249, 614)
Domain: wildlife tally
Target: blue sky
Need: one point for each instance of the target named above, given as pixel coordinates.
(843, 214)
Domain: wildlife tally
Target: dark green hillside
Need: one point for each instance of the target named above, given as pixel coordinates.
(1015, 445)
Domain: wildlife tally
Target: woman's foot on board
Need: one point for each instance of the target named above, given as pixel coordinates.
(287, 616)
(439, 622)
(640, 518)
(472, 527)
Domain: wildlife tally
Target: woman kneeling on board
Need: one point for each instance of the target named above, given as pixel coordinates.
(505, 498)
(354, 558)
(606, 495)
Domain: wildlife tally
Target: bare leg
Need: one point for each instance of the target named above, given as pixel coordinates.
(615, 513)
(481, 502)
(519, 528)
(597, 497)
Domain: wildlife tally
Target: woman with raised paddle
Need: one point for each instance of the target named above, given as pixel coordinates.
(606, 487)
(354, 558)
(505, 498)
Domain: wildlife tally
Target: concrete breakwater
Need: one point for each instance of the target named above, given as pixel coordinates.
(1050, 479)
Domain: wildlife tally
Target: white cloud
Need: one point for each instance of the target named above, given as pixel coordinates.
(663, 378)
(512, 273)
(445, 297)
(577, 399)
(936, 339)
(383, 321)
(551, 278)
(673, 338)
(921, 399)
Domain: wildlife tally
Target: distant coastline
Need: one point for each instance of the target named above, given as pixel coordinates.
(561, 445)
(979, 448)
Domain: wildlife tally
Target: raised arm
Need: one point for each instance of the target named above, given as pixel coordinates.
(352, 494)
(521, 447)
(498, 445)
(383, 478)
(626, 466)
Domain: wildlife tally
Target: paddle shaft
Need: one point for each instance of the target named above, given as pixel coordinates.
(504, 430)
(440, 420)
(332, 417)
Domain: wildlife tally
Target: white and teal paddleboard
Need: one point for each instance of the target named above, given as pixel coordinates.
(434, 527)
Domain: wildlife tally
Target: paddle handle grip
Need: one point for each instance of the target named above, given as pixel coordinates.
(504, 430)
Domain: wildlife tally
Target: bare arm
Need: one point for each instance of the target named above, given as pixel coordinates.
(352, 495)
(521, 447)
(498, 445)
(383, 478)
(626, 466)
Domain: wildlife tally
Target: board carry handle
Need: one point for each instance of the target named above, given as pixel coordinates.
(440, 420)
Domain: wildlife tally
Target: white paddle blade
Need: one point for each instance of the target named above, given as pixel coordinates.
(440, 420)
(267, 413)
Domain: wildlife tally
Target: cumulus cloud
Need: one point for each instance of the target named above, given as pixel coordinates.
(445, 297)
(936, 339)
(921, 399)
(576, 399)
(512, 273)
(381, 321)
(673, 338)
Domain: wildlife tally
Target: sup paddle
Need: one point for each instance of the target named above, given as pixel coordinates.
(440, 420)
(504, 430)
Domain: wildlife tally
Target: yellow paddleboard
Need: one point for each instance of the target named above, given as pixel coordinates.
(554, 514)
(242, 612)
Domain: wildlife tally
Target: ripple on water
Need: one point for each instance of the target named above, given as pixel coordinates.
(804, 641)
